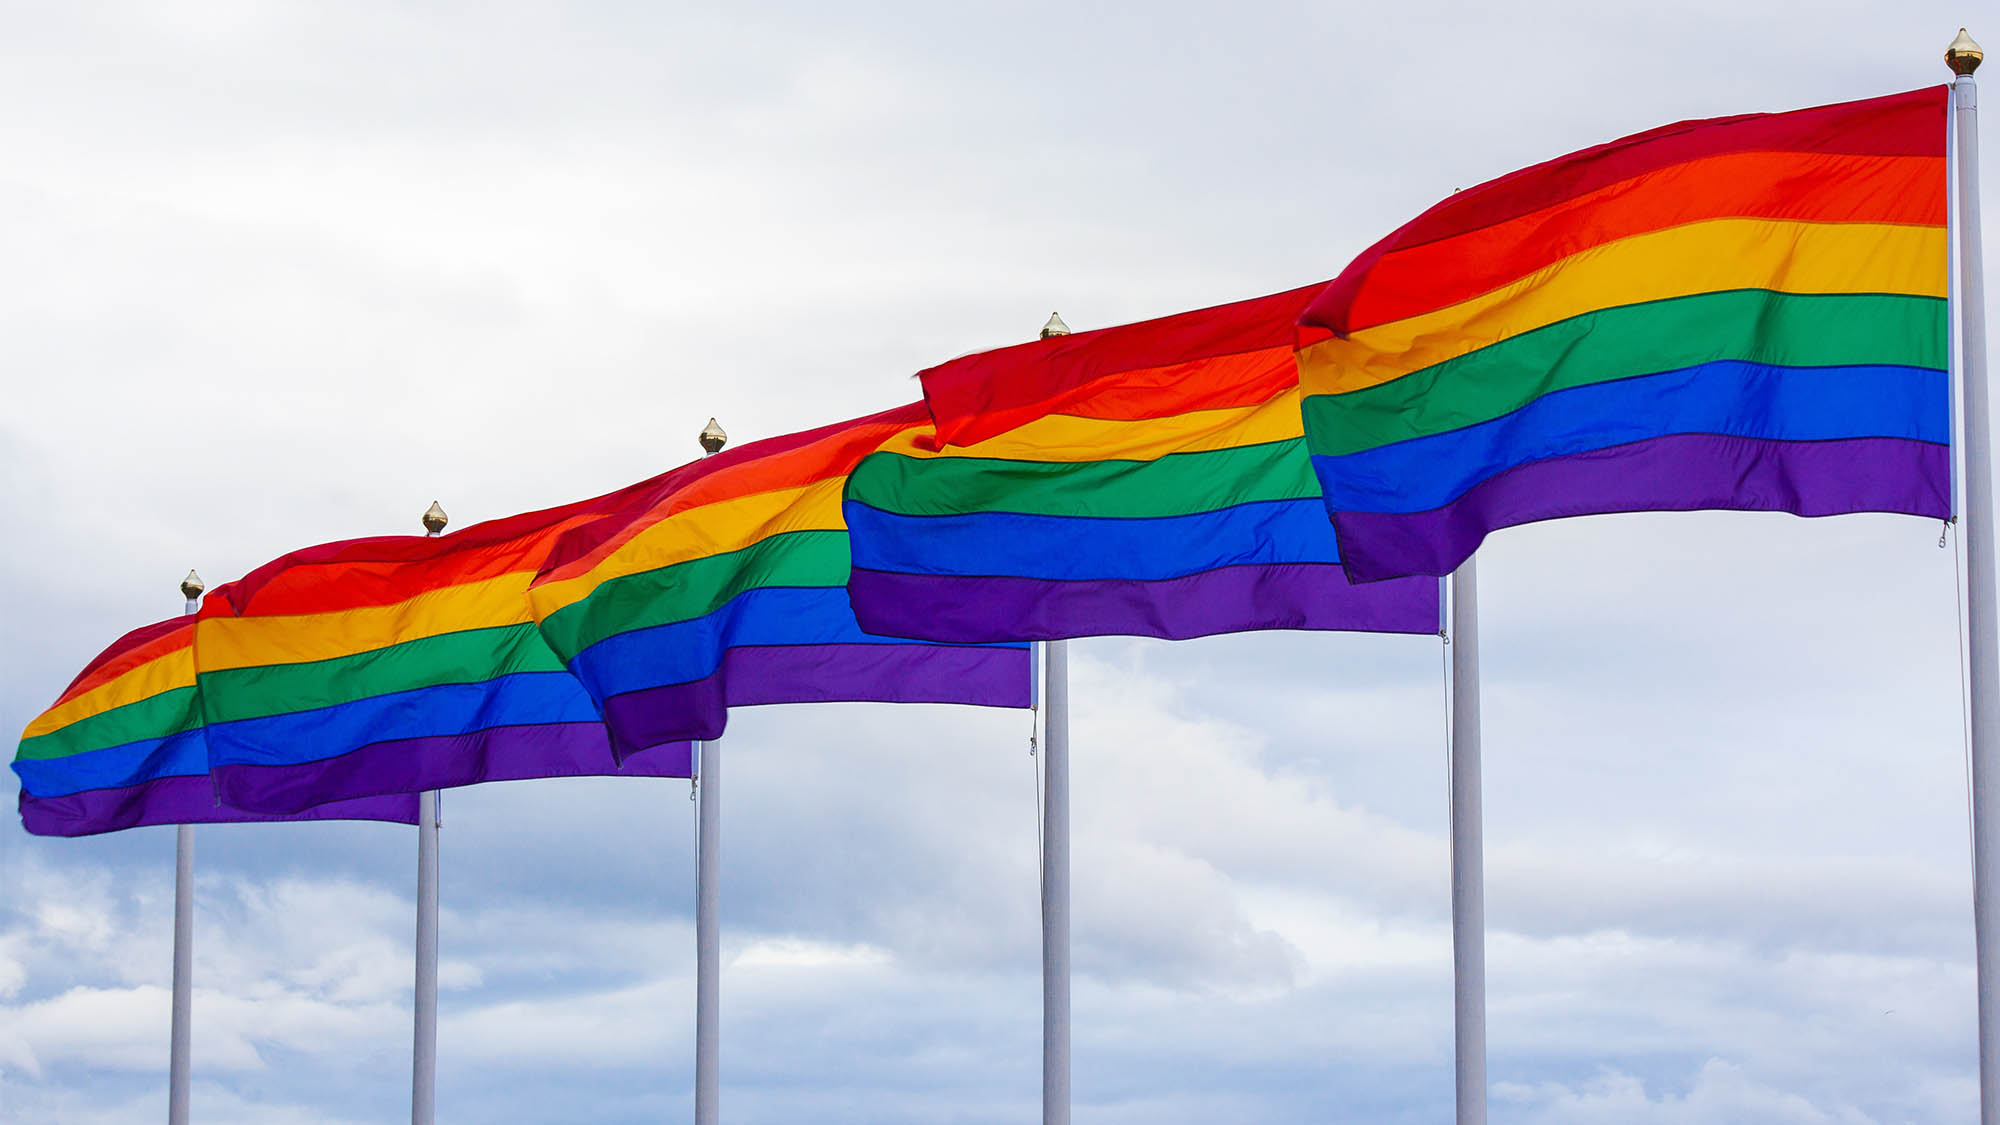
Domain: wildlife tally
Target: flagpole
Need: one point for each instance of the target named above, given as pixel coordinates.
(1468, 865)
(1983, 657)
(1055, 864)
(179, 1049)
(1055, 886)
(708, 899)
(423, 1054)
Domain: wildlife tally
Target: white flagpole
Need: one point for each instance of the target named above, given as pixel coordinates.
(1055, 865)
(708, 901)
(708, 935)
(1963, 56)
(1468, 865)
(1055, 886)
(179, 1049)
(423, 1054)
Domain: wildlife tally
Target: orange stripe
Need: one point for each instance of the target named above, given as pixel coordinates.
(299, 588)
(799, 467)
(1218, 383)
(1805, 187)
(113, 667)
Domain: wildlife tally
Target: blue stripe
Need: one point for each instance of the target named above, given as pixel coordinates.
(521, 699)
(686, 651)
(1729, 397)
(179, 755)
(1086, 548)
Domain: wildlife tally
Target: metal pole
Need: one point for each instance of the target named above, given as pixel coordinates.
(182, 1038)
(1055, 887)
(708, 901)
(708, 937)
(423, 1056)
(178, 1058)
(1468, 870)
(1984, 651)
(423, 1053)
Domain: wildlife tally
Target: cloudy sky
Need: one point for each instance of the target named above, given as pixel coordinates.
(277, 273)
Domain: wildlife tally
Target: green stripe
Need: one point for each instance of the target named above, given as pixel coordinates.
(155, 716)
(465, 657)
(685, 591)
(1177, 484)
(1752, 325)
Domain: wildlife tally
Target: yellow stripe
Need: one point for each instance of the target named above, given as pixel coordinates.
(160, 674)
(252, 642)
(1705, 257)
(1062, 437)
(697, 533)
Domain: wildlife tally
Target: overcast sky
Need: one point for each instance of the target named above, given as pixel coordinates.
(278, 273)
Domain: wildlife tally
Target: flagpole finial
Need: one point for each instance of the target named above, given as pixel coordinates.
(192, 586)
(712, 437)
(1963, 56)
(1055, 327)
(434, 518)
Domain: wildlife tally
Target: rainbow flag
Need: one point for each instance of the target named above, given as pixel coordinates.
(1743, 313)
(124, 746)
(1149, 480)
(398, 664)
(723, 583)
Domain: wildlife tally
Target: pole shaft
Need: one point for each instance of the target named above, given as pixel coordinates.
(181, 1038)
(1055, 887)
(1468, 865)
(178, 1057)
(708, 936)
(423, 1055)
(1984, 650)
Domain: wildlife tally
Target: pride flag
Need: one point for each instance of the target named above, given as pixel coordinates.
(1149, 480)
(398, 664)
(723, 583)
(124, 746)
(1743, 313)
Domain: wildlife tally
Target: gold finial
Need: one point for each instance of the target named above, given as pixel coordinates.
(1963, 56)
(434, 518)
(192, 586)
(712, 438)
(1055, 327)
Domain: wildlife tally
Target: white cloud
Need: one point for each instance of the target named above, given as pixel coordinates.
(1720, 1094)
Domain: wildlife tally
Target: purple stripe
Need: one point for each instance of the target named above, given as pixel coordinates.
(1680, 473)
(1232, 600)
(411, 765)
(183, 800)
(871, 673)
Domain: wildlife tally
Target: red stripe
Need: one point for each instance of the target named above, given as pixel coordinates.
(143, 645)
(386, 570)
(1909, 124)
(980, 396)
